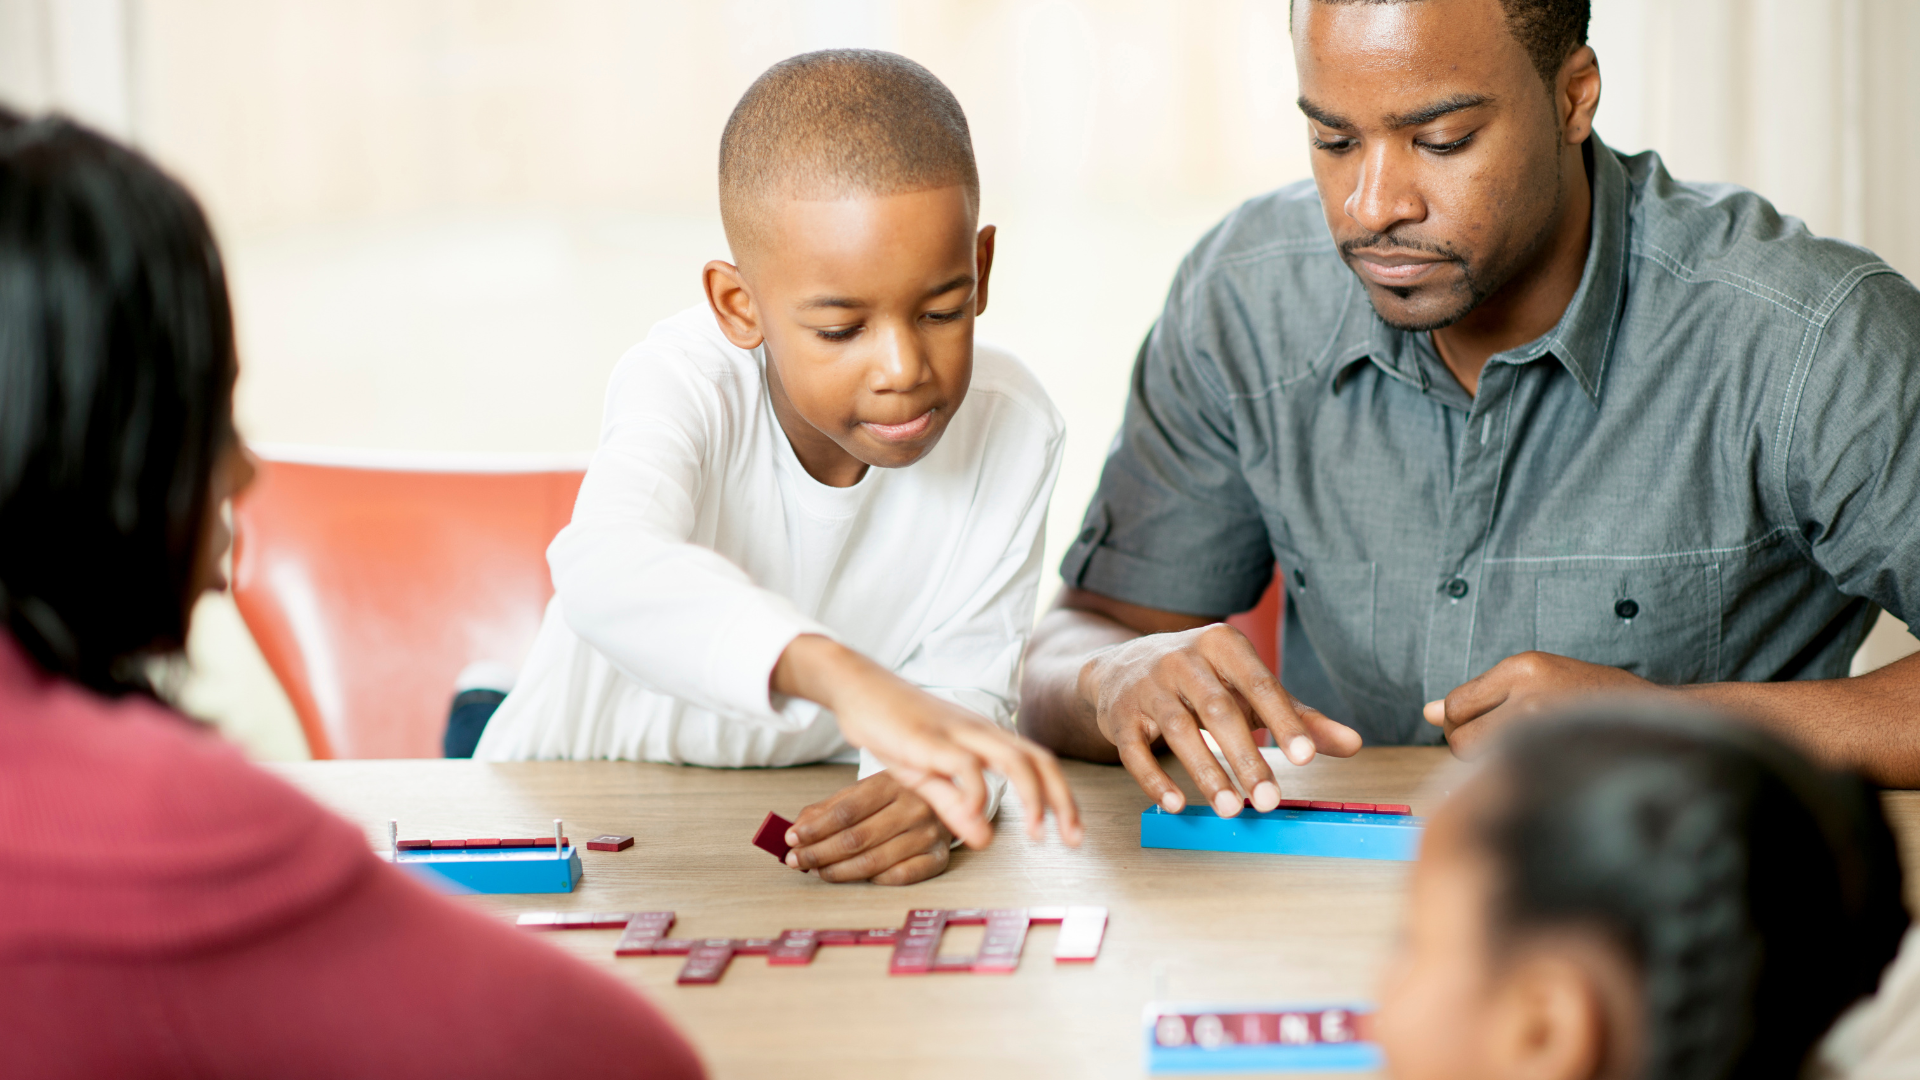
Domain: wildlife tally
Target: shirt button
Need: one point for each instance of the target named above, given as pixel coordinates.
(1299, 578)
(1457, 588)
(1626, 609)
(1086, 536)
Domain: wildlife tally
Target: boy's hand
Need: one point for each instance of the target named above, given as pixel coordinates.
(874, 831)
(934, 747)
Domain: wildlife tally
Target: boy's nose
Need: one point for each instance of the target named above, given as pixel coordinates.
(900, 363)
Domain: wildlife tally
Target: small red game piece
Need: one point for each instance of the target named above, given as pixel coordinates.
(544, 841)
(772, 836)
(610, 843)
(674, 946)
(882, 936)
(481, 843)
(753, 946)
(837, 937)
(448, 844)
(794, 948)
(1318, 805)
(1358, 807)
(705, 964)
(1393, 808)
(1296, 804)
(414, 845)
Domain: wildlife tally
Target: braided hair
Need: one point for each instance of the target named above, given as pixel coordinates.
(1757, 895)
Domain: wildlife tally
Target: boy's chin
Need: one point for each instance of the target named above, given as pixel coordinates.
(894, 455)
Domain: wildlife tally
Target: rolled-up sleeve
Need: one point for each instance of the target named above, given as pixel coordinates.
(1174, 524)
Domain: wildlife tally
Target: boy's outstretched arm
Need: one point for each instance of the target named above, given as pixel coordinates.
(933, 747)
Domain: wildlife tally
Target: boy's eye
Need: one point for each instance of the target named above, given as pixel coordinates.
(838, 335)
(946, 316)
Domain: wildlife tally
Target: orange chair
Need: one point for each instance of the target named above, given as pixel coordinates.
(371, 580)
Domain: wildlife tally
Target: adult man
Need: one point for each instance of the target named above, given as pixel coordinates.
(1534, 420)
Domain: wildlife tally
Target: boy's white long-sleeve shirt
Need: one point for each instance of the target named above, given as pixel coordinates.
(700, 547)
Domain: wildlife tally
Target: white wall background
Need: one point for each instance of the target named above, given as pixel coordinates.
(445, 219)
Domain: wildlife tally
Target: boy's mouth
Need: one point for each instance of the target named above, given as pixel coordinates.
(912, 429)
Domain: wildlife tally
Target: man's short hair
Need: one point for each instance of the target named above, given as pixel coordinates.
(839, 122)
(1548, 29)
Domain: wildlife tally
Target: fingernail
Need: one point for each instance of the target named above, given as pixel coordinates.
(1171, 801)
(1266, 795)
(793, 860)
(1434, 711)
(793, 838)
(1299, 749)
(1226, 803)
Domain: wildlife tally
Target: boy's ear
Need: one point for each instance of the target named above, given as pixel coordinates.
(982, 268)
(732, 304)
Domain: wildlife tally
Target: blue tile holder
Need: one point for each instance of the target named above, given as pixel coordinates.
(553, 869)
(1321, 833)
(1230, 1057)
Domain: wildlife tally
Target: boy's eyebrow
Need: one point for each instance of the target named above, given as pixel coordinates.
(851, 304)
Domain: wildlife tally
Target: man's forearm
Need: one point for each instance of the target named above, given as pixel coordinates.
(1052, 712)
(1870, 723)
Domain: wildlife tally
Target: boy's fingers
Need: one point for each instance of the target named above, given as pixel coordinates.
(918, 868)
(960, 813)
(878, 860)
(1066, 811)
(1007, 756)
(1136, 755)
(890, 821)
(840, 812)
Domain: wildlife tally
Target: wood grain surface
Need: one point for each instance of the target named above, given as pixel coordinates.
(1184, 926)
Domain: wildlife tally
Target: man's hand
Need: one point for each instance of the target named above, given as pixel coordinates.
(933, 747)
(874, 831)
(1172, 686)
(1521, 686)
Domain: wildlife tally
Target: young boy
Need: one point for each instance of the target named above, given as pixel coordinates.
(792, 519)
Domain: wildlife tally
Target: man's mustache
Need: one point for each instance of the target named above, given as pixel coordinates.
(1394, 245)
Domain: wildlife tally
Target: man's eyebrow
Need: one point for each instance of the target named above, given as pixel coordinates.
(1429, 113)
(1321, 116)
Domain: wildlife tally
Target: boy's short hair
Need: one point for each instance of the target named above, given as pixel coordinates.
(826, 125)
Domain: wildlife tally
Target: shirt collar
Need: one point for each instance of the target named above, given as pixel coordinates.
(1583, 338)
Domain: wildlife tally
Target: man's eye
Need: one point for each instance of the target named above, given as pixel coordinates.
(1332, 146)
(838, 335)
(1446, 148)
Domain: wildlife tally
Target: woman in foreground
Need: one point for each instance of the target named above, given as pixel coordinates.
(166, 909)
(1643, 896)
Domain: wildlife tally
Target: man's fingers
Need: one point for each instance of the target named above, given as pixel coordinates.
(1332, 737)
(1183, 738)
(918, 868)
(1136, 755)
(1226, 719)
(1478, 696)
(1237, 664)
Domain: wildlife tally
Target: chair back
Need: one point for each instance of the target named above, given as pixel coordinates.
(370, 580)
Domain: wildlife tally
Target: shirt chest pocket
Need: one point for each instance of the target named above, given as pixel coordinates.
(1335, 601)
(1660, 623)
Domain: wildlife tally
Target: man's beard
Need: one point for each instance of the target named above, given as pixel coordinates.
(1467, 293)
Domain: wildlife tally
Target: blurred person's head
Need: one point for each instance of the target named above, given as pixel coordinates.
(1640, 895)
(851, 204)
(116, 384)
(1447, 142)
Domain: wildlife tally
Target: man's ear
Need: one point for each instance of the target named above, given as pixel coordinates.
(1579, 95)
(732, 304)
(982, 267)
(1549, 1020)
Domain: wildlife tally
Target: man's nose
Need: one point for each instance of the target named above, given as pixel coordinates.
(899, 363)
(1384, 193)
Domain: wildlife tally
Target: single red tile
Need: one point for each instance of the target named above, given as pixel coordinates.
(1393, 808)
(771, 837)
(522, 842)
(1318, 805)
(448, 844)
(610, 843)
(415, 845)
(483, 843)
(1358, 807)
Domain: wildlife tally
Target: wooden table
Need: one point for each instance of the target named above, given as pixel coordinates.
(1184, 926)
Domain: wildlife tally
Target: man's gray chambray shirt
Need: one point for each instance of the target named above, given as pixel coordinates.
(1708, 470)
